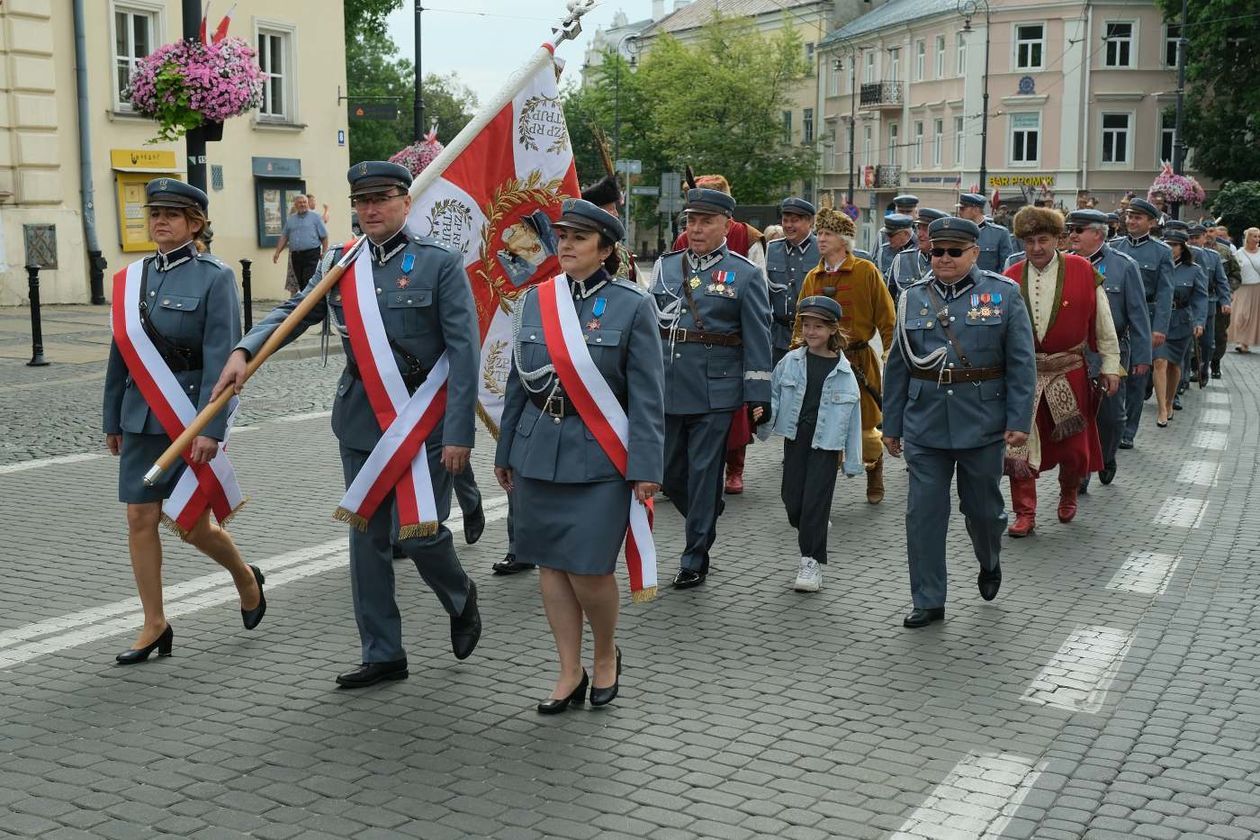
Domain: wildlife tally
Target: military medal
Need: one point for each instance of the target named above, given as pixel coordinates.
(592, 325)
(694, 282)
(973, 313)
(975, 301)
(996, 312)
(600, 305)
(996, 298)
(408, 263)
(986, 311)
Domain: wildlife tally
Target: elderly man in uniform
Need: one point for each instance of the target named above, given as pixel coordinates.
(1122, 283)
(788, 260)
(1219, 297)
(1154, 260)
(427, 312)
(912, 265)
(958, 389)
(995, 242)
(1070, 315)
(898, 237)
(715, 336)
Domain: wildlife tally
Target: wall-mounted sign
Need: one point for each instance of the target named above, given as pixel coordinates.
(1027, 87)
(1021, 180)
(133, 168)
(275, 167)
(384, 111)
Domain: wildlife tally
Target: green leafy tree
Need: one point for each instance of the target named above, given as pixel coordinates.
(1237, 205)
(1222, 111)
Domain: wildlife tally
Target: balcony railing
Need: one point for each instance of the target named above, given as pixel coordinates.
(881, 95)
(887, 176)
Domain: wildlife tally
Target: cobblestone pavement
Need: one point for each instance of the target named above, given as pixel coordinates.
(1112, 689)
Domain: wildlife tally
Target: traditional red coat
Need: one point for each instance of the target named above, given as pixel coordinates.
(1071, 324)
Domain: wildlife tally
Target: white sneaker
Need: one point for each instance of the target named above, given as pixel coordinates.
(809, 576)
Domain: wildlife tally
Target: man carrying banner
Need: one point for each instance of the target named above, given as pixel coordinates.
(405, 315)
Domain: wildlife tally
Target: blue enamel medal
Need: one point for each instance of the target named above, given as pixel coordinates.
(408, 263)
(600, 305)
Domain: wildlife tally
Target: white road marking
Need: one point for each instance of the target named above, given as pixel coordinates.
(98, 623)
(1217, 397)
(1180, 512)
(1079, 675)
(976, 800)
(1214, 417)
(1216, 441)
(1200, 473)
(22, 466)
(1145, 572)
(297, 418)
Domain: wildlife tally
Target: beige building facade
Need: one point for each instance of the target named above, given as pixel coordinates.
(296, 142)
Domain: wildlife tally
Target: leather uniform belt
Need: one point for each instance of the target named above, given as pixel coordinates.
(785, 320)
(556, 405)
(413, 379)
(949, 376)
(681, 336)
(181, 359)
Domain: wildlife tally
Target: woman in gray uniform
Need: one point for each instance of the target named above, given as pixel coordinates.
(190, 312)
(572, 505)
(1189, 313)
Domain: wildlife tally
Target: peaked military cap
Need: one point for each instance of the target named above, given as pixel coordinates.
(906, 200)
(1087, 217)
(1175, 224)
(580, 214)
(927, 215)
(1113, 217)
(169, 192)
(894, 222)
(954, 229)
(971, 200)
(820, 306)
(1141, 205)
(373, 176)
(713, 202)
(1176, 235)
(1197, 229)
(799, 206)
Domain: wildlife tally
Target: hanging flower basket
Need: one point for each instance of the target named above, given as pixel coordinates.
(1177, 189)
(419, 155)
(189, 84)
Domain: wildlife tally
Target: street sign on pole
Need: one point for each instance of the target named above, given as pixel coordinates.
(366, 110)
(645, 191)
(630, 167)
(671, 185)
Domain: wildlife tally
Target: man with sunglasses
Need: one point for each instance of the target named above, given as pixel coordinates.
(1122, 282)
(426, 311)
(958, 388)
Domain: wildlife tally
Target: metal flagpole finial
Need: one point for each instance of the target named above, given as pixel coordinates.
(571, 26)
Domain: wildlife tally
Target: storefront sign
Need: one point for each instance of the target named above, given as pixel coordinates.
(1021, 180)
(133, 169)
(274, 167)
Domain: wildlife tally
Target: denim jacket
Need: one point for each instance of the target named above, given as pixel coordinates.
(839, 411)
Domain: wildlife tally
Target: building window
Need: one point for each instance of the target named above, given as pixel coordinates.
(1025, 139)
(920, 59)
(787, 126)
(275, 60)
(868, 71)
(1167, 137)
(866, 146)
(1115, 138)
(940, 56)
(916, 150)
(960, 141)
(894, 65)
(1120, 47)
(135, 31)
(892, 144)
(960, 45)
(807, 126)
(938, 140)
(1030, 46)
(833, 78)
(809, 53)
(1172, 34)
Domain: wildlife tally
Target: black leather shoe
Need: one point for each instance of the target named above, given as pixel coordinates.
(920, 617)
(1216, 373)
(509, 565)
(162, 644)
(688, 578)
(1108, 473)
(988, 583)
(1126, 444)
(474, 525)
(1176, 403)
(604, 696)
(556, 705)
(466, 627)
(251, 618)
(370, 673)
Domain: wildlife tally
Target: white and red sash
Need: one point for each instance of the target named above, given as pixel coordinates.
(604, 417)
(210, 485)
(399, 460)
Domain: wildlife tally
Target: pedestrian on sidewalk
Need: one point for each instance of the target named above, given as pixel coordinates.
(816, 406)
(1244, 328)
(306, 238)
(176, 317)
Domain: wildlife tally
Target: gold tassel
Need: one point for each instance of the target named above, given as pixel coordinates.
(232, 514)
(420, 529)
(491, 426)
(174, 527)
(359, 523)
(643, 595)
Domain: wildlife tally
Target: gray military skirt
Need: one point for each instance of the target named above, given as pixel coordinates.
(574, 528)
(139, 451)
(1173, 350)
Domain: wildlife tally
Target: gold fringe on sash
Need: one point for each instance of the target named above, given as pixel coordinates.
(357, 522)
(643, 595)
(174, 528)
(420, 529)
(491, 426)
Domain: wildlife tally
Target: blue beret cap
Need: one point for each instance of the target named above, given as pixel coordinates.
(951, 228)
(1141, 205)
(799, 206)
(714, 202)
(168, 192)
(820, 306)
(583, 215)
(971, 200)
(373, 176)
(1176, 235)
(1087, 217)
(894, 222)
(927, 215)
(906, 200)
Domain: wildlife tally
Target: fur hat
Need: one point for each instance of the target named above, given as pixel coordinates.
(1035, 221)
(714, 182)
(834, 221)
(604, 191)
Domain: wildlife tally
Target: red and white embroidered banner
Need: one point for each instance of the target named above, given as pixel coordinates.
(399, 461)
(518, 162)
(213, 484)
(604, 417)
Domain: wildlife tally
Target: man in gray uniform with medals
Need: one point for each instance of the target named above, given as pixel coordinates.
(958, 388)
(715, 335)
(788, 260)
(427, 309)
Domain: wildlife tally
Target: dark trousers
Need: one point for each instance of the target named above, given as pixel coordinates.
(1222, 344)
(304, 265)
(809, 480)
(695, 449)
(466, 491)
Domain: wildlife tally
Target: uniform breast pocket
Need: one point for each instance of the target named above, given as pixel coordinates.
(983, 332)
(605, 346)
(179, 318)
(1113, 289)
(410, 310)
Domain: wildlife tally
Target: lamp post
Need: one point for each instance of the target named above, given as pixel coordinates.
(968, 8)
(629, 36)
(839, 65)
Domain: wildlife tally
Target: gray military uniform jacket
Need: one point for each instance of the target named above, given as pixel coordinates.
(996, 245)
(786, 267)
(1154, 260)
(191, 302)
(1190, 301)
(908, 268)
(963, 415)
(426, 310)
(619, 325)
(1122, 281)
(1217, 281)
(702, 378)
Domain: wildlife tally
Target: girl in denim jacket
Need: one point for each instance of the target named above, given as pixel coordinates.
(814, 404)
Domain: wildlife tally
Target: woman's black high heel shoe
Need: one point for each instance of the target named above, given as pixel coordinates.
(162, 644)
(556, 705)
(604, 696)
(251, 618)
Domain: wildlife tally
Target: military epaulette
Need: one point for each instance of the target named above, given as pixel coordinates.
(630, 285)
(671, 253)
(742, 257)
(211, 258)
(430, 241)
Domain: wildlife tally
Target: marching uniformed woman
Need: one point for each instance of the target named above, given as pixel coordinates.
(190, 314)
(1189, 311)
(554, 468)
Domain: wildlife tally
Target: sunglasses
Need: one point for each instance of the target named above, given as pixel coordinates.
(1077, 228)
(953, 252)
